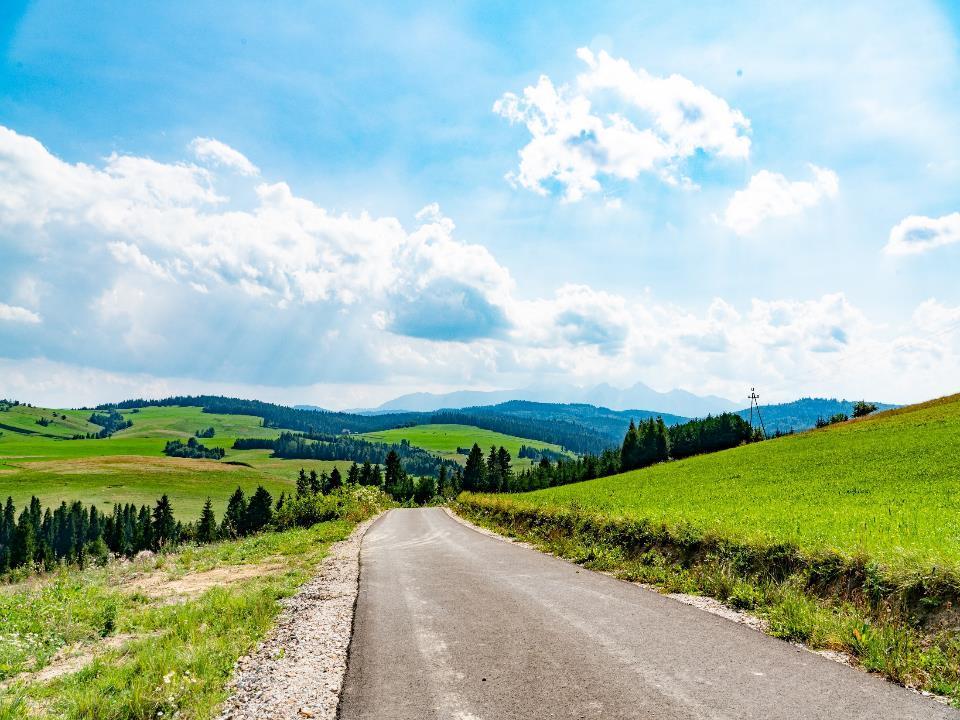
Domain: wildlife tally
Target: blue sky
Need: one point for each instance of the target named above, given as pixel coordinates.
(755, 194)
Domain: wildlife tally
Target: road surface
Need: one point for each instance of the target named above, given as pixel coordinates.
(452, 623)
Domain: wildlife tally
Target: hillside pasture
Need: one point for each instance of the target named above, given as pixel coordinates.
(130, 466)
(887, 486)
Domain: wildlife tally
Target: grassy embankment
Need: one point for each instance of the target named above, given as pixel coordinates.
(846, 538)
(155, 638)
(445, 439)
(130, 466)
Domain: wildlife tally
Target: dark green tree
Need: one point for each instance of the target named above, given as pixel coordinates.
(207, 524)
(475, 471)
(164, 524)
(259, 511)
(303, 485)
(235, 517)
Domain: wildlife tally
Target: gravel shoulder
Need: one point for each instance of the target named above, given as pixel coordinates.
(298, 670)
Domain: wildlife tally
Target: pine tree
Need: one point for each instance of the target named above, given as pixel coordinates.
(164, 526)
(22, 545)
(145, 529)
(474, 472)
(281, 501)
(394, 472)
(235, 517)
(207, 525)
(259, 511)
(366, 473)
(662, 441)
(630, 450)
(353, 474)
(336, 480)
(442, 482)
(376, 476)
(494, 480)
(315, 484)
(7, 527)
(503, 468)
(303, 485)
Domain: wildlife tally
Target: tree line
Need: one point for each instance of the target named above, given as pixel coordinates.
(76, 534)
(415, 460)
(644, 444)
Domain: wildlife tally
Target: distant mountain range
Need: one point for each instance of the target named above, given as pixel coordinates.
(636, 397)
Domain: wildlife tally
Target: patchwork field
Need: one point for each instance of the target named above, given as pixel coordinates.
(445, 439)
(130, 466)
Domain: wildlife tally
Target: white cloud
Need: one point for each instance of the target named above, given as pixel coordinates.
(652, 125)
(917, 234)
(218, 153)
(771, 195)
(143, 270)
(15, 314)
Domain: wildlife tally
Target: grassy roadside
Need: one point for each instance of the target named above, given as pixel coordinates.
(156, 638)
(899, 622)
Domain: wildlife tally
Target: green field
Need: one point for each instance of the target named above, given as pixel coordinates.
(445, 439)
(131, 466)
(887, 486)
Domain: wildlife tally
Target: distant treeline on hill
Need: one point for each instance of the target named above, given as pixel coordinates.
(536, 453)
(568, 434)
(415, 460)
(644, 444)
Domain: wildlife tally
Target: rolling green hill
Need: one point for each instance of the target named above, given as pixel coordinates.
(130, 465)
(887, 485)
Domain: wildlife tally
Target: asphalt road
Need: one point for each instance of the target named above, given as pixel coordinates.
(451, 623)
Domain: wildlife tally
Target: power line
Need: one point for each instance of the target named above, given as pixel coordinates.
(755, 403)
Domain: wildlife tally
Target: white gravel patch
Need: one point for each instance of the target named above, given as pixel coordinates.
(297, 671)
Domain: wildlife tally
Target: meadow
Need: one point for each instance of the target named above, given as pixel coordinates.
(445, 439)
(886, 486)
(130, 466)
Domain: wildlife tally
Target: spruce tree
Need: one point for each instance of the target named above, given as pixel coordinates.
(315, 485)
(235, 517)
(336, 480)
(145, 529)
(376, 476)
(493, 471)
(503, 468)
(442, 483)
(164, 525)
(474, 472)
(353, 474)
(207, 525)
(303, 485)
(366, 473)
(22, 545)
(630, 450)
(394, 472)
(259, 511)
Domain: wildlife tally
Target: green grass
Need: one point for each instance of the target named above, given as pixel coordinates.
(886, 486)
(177, 657)
(130, 466)
(445, 439)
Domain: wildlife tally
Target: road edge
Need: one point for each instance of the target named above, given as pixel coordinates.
(297, 670)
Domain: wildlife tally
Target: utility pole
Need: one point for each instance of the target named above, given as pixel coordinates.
(755, 402)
